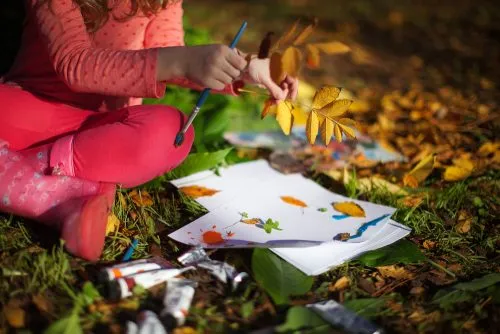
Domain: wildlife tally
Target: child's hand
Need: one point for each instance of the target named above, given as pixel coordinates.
(259, 73)
(212, 66)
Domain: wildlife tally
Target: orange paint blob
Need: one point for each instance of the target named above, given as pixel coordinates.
(212, 237)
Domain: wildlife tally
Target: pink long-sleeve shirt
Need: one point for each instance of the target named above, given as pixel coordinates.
(110, 69)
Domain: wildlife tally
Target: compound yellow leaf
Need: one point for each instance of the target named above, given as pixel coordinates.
(287, 37)
(349, 208)
(312, 125)
(312, 56)
(197, 191)
(284, 117)
(326, 131)
(302, 36)
(347, 130)
(456, 173)
(337, 132)
(332, 47)
(276, 67)
(293, 201)
(423, 168)
(324, 96)
(291, 62)
(335, 108)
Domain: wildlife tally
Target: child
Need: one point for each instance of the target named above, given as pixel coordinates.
(71, 123)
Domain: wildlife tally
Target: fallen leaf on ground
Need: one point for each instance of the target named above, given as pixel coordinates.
(412, 201)
(349, 208)
(464, 222)
(293, 201)
(141, 198)
(410, 181)
(429, 244)
(184, 330)
(418, 290)
(197, 191)
(419, 316)
(341, 284)
(395, 272)
(42, 303)
(460, 170)
(113, 224)
(14, 314)
(422, 170)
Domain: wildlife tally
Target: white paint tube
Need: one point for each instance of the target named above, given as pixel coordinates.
(133, 267)
(147, 323)
(337, 315)
(123, 287)
(177, 302)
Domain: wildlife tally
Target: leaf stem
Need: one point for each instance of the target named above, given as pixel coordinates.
(441, 268)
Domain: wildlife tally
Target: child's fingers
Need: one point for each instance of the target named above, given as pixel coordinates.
(275, 90)
(231, 71)
(236, 61)
(293, 86)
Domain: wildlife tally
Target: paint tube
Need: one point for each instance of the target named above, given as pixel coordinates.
(193, 256)
(339, 316)
(133, 267)
(123, 287)
(177, 301)
(148, 323)
(221, 270)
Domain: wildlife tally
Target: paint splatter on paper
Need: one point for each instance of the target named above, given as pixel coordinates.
(340, 217)
(198, 191)
(365, 226)
(342, 237)
(293, 201)
(349, 208)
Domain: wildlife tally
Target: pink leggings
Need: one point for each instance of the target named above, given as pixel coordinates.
(129, 146)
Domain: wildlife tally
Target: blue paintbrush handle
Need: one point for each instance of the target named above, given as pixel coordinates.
(179, 138)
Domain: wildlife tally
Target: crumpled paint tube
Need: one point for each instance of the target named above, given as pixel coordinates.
(177, 301)
(133, 267)
(148, 323)
(337, 315)
(123, 287)
(225, 272)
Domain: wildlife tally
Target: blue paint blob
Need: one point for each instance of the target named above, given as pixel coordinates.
(340, 217)
(365, 226)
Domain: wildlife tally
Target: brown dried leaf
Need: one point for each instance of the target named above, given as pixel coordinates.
(332, 48)
(412, 201)
(42, 303)
(418, 290)
(410, 181)
(464, 222)
(269, 109)
(141, 198)
(265, 46)
(399, 273)
(14, 314)
(428, 244)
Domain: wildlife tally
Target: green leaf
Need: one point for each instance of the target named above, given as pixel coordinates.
(448, 298)
(198, 162)
(302, 318)
(403, 251)
(366, 307)
(279, 278)
(247, 309)
(90, 293)
(67, 325)
(215, 125)
(479, 283)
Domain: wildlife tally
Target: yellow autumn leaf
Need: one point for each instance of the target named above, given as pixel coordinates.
(112, 224)
(284, 117)
(392, 271)
(423, 169)
(332, 47)
(335, 108)
(141, 198)
(293, 201)
(349, 208)
(291, 62)
(488, 148)
(410, 181)
(287, 37)
(341, 284)
(276, 67)
(461, 170)
(324, 96)
(197, 191)
(343, 124)
(326, 131)
(312, 56)
(302, 36)
(251, 221)
(312, 127)
(337, 132)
